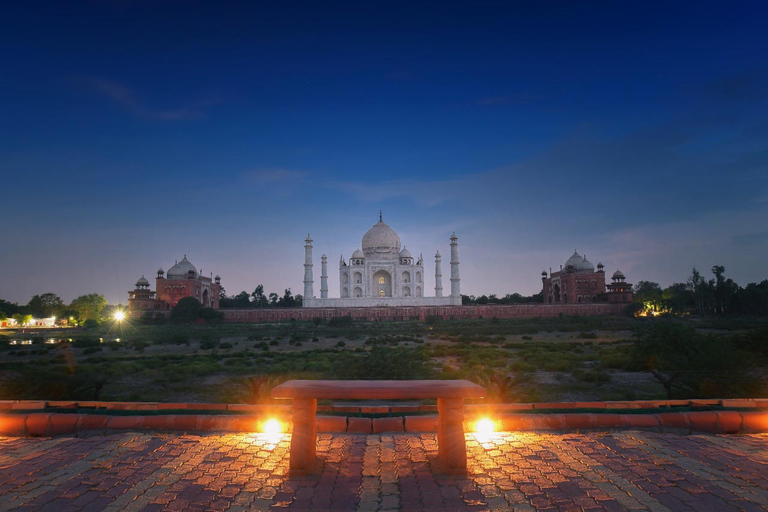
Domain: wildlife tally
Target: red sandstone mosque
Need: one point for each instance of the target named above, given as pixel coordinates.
(181, 280)
(578, 282)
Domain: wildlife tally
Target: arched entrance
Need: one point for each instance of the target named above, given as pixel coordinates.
(206, 303)
(382, 284)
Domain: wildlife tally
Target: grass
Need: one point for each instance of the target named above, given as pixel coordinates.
(552, 359)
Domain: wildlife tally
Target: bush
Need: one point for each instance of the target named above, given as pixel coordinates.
(341, 321)
(91, 323)
(526, 337)
(208, 342)
(341, 344)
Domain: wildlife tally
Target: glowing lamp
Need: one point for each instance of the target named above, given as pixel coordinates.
(272, 427)
(119, 316)
(485, 427)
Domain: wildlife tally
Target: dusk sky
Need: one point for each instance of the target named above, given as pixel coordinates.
(134, 132)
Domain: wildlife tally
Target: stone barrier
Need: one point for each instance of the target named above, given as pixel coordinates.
(56, 418)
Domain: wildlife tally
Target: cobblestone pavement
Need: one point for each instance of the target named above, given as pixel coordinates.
(508, 471)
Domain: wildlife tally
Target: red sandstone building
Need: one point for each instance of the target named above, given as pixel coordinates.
(577, 282)
(181, 280)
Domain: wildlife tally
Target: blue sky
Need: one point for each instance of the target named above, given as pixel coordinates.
(133, 132)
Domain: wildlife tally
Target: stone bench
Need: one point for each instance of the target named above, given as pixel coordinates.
(450, 396)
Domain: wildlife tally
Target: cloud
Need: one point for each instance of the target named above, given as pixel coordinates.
(127, 97)
(265, 176)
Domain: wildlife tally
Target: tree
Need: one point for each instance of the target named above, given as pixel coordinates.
(259, 299)
(10, 308)
(46, 305)
(677, 297)
(273, 299)
(648, 296)
(89, 307)
(22, 319)
(703, 292)
(725, 290)
(187, 309)
(690, 364)
(287, 300)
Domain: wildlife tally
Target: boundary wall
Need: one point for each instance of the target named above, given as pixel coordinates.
(40, 418)
(395, 313)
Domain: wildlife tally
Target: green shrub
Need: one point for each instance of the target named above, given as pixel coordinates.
(341, 321)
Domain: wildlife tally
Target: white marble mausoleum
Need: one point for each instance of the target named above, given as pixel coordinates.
(381, 274)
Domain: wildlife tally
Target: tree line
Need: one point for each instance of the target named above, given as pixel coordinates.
(85, 308)
(510, 298)
(258, 299)
(701, 296)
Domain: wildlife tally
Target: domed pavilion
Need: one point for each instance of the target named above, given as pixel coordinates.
(578, 282)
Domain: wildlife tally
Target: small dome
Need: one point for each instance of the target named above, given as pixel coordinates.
(405, 253)
(544, 273)
(182, 268)
(600, 264)
(142, 281)
(585, 264)
(160, 270)
(358, 254)
(618, 275)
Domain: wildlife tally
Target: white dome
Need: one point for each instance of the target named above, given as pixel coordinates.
(358, 254)
(181, 269)
(405, 253)
(618, 275)
(381, 239)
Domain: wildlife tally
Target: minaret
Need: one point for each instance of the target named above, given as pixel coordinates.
(438, 276)
(455, 285)
(308, 288)
(324, 277)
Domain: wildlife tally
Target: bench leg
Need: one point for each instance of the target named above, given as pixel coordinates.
(451, 445)
(304, 435)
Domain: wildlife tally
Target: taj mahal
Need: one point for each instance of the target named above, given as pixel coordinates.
(383, 273)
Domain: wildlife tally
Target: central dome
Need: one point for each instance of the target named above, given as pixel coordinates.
(181, 269)
(381, 239)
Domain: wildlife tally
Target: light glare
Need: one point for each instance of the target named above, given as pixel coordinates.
(485, 427)
(272, 427)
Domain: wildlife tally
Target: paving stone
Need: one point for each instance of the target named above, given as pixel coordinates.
(623, 470)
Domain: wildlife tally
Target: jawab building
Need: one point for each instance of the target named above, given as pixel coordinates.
(383, 273)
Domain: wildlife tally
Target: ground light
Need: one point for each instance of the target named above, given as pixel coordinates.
(484, 429)
(272, 427)
(485, 426)
(119, 315)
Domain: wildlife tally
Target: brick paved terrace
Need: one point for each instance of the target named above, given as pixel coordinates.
(621, 470)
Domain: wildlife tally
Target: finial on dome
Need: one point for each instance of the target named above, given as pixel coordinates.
(380, 219)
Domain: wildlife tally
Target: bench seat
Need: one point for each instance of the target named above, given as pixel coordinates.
(450, 396)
